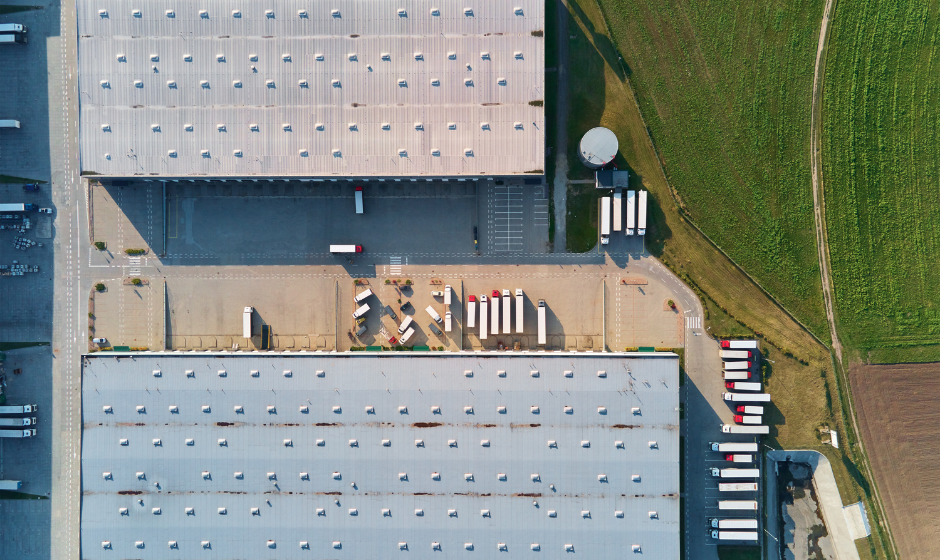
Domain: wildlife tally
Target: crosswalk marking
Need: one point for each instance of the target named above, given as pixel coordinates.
(394, 266)
(693, 322)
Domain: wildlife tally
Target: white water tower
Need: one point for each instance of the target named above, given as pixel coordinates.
(598, 147)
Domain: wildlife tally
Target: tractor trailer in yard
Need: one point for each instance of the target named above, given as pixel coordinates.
(732, 523)
(746, 505)
(735, 473)
(17, 422)
(605, 220)
(471, 311)
(741, 419)
(734, 429)
(246, 322)
(739, 344)
(734, 354)
(507, 315)
(345, 248)
(739, 458)
(748, 409)
(739, 386)
(541, 322)
(734, 535)
(617, 209)
(737, 365)
(737, 487)
(631, 212)
(736, 375)
(744, 397)
(17, 433)
(520, 301)
(641, 214)
(729, 447)
(18, 409)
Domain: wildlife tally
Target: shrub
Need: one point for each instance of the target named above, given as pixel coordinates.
(387, 281)
(100, 245)
(671, 303)
(91, 315)
(136, 282)
(407, 282)
(99, 286)
(135, 251)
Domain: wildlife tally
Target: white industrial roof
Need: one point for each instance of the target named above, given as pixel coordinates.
(371, 454)
(230, 89)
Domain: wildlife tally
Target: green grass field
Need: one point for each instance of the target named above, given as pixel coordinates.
(725, 91)
(881, 167)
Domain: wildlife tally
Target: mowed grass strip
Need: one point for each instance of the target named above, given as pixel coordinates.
(725, 88)
(804, 388)
(881, 167)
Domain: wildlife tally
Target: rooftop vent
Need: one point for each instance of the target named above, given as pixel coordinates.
(302, 83)
(352, 56)
(602, 373)
(122, 441)
(221, 128)
(106, 544)
(468, 477)
(286, 126)
(502, 547)
(435, 12)
(318, 57)
(107, 475)
(121, 57)
(220, 57)
(552, 513)
(286, 57)
(569, 548)
(190, 441)
(501, 81)
(141, 475)
(653, 515)
(484, 443)
(157, 442)
(223, 511)
(336, 83)
(569, 410)
(206, 544)
(236, 13)
(636, 411)
(239, 409)
(321, 512)
(222, 442)
(206, 408)
(386, 443)
(402, 82)
(485, 513)
(468, 409)
(170, 14)
(304, 409)
(419, 443)
(103, 13)
(435, 82)
(585, 443)
(255, 511)
(255, 373)
(517, 55)
(353, 443)
(304, 476)
(204, 84)
(189, 511)
(468, 545)
(653, 445)
(468, 82)
(452, 513)
(402, 476)
(206, 475)
(435, 476)
(141, 409)
(517, 10)
(237, 153)
(353, 511)
(386, 512)
(602, 478)
(636, 548)
(468, 12)
(435, 152)
(239, 475)
(337, 475)
(303, 152)
(535, 546)
(402, 409)
(452, 55)
(485, 55)
(337, 152)
(535, 477)
(420, 126)
(552, 443)
(320, 372)
(337, 544)
(468, 152)
(272, 476)
(335, 13)
(204, 14)
(501, 476)
(337, 409)
(107, 409)
(353, 126)
(302, 14)
(534, 409)
(187, 58)
(618, 444)
(635, 478)
(269, 14)
(172, 154)
(269, 83)
(452, 443)
(419, 56)
(435, 545)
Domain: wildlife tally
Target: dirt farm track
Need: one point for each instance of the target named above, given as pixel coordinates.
(899, 417)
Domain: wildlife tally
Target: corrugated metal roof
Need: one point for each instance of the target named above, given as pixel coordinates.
(144, 77)
(340, 420)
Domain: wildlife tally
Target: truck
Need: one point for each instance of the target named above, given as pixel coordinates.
(471, 311)
(484, 313)
(448, 321)
(739, 458)
(737, 487)
(404, 338)
(9, 123)
(734, 535)
(405, 324)
(358, 200)
(345, 248)
(18, 433)
(741, 419)
(733, 429)
(735, 473)
(361, 311)
(631, 211)
(246, 321)
(448, 294)
(13, 28)
(731, 447)
(748, 409)
(716, 523)
(434, 315)
(363, 295)
(10, 484)
(18, 409)
(739, 344)
(13, 39)
(742, 397)
(495, 303)
(618, 195)
(736, 375)
(734, 354)
(749, 505)
(541, 322)
(737, 365)
(519, 304)
(641, 214)
(16, 207)
(17, 422)
(507, 312)
(742, 386)
(605, 220)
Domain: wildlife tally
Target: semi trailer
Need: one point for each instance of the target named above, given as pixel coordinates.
(471, 311)
(737, 487)
(484, 316)
(18, 433)
(617, 209)
(735, 473)
(717, 523)
(605, 220)
(358, 200)
(744, 397)
(739, 458)
(739, 344)
(246, 321)
(729, 447)
(17, 422)
(734, 535)
(741, 419)
(520, 301)
(737, 365)
(734, 354)
(361, 311)
(541, 322)
(18, 408)
(746, 505)
(345, 248)
(749, 409)
(507, 315)
(736, 375)
(733, 429)
(631, 212)
(641, 214)
(739, 386)
(494, 303)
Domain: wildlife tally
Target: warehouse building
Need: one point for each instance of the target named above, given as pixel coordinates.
(299, 89)
(359, 456)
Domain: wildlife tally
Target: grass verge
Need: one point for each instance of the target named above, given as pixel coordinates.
(6, 346)
(11, 495)
(726, 552)
(8, 179)
(581, 232)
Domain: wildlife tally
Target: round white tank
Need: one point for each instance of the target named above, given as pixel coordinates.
(598, 147)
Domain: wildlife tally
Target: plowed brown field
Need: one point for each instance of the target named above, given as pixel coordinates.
(899, 417)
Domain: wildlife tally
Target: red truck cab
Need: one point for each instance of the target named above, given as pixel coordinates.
(725, 344)
(739, 419)
(471, 298)
(729, 457)
(740, 410)
(495, 294)
(729, 384)
(358, 248)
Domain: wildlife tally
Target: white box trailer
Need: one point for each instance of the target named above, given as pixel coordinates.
(752, 420)
(641, 214)
(9, 123)
(448, 294)
(405, 324)
(617, 208)
(363, 295)
(732, 447)
(246, 322)
(739, 344)
(737, 487)
(541, 322)
(404, 338)
(358, 200)
(18, 408)
(734, 354)
(520, 302)
(733, 429)
(742, 386)
(17, 422)
(471, 311)
(749, 409)
(507, 312)
(17, 433)
(448, 321)
(747, 505)
(605, 220)
(345, 248)
(13, 28)
(11, 484)
(433, 313)
(494, 302)
(739, 458)
(736, 375)
(13, 39)
(484, 315)
(732, 523)
(737, 365)
(734, 535)
(735, 473)
(744, 397)
(631, 212)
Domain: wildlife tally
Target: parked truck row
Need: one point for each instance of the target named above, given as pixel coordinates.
(502, 302)
(635, 214)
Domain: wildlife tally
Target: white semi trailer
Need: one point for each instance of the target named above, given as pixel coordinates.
(605, 220)
(744, 397)
(471, 311)
(519, 306)
(735, 473)
(734, 354)
(631, 212)
(737, 487)
(494, 302)
(541, 322)
(746, 505)
(731, 447)
(618, 195)
(18, 409)
(739, 344)
(717, 523)
(734, 535)
(755, 430)
(246, 322)
(17, 433)
(507, 314)
(641, 214)
(484, 313)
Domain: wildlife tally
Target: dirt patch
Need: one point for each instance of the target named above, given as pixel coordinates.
(899, 422)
